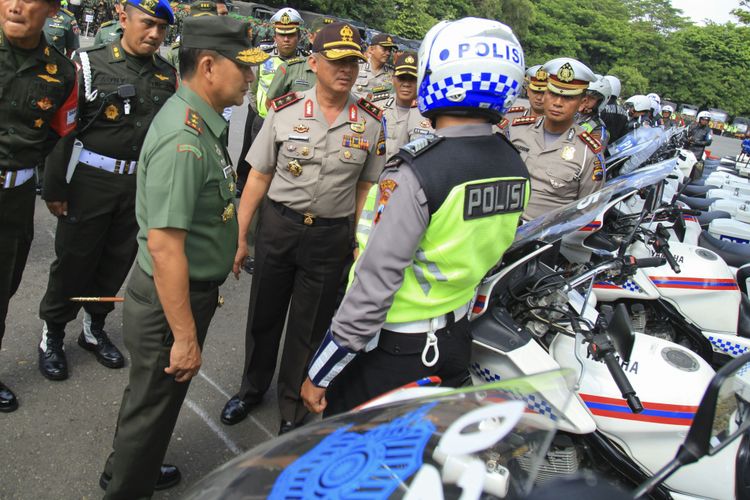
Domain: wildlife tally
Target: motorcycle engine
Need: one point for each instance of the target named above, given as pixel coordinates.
(646, 319)
(562, 459)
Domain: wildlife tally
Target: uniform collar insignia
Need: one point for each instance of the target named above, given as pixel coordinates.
(353, 113)
(116, 52)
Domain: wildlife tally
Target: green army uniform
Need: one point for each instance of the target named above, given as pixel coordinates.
(108, 32)
(185, 182)
(95, 242)
(62, 31)
(38, 106)
(197, 9)
(294, 75)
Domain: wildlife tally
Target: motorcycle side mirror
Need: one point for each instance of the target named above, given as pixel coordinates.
(722, 417)
(620, 330)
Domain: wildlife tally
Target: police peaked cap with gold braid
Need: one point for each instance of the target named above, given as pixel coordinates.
(337, 41)
(157, 8)
(405, 64)
(537, 78)
(286, 21)
(223, 34)
(567, 76)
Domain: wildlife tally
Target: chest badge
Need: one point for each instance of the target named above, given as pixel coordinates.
(51, 68)
(358, 127)
(161, 77)
(44, 103)
(555, 184)
(568, 153)
(111, 112)
(425, 124)
(294, 168)
(291, 147)
(301, 128)
(305, 151)
(347, 155)
(228, 213)
(38, 123)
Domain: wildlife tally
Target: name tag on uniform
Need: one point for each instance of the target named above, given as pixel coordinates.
(491, 198)
(293, 137)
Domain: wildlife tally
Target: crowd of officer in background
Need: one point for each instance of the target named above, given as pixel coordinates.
(333, 134)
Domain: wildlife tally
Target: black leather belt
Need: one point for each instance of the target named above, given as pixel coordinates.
(307, 219)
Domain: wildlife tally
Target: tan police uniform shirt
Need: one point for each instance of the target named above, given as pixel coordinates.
(561, 172)
(403, 125)
(316, 166)
(371, 82)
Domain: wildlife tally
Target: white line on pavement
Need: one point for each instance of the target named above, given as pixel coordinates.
(226, 395)
(213, 426)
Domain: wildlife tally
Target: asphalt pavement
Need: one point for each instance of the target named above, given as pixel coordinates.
(55, 444)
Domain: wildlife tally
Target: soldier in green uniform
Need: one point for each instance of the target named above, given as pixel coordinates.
(62, 32)
(111, 30)
(374, 80)
(38, 106)
(187, 239)
(197, 9)
(123, 85)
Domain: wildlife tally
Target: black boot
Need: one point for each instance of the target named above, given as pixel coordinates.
(93, 338)
(52, 361)
(8, 400)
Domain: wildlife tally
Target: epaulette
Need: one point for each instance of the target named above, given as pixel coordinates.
(592, 142)
(516, 109)
(194, 120)
(394, 162)
(421, 144)
(295, 60)
(106, 23)
(370, 109)
(285, 101)
(524, 120)
(70, 13)
(503, 123)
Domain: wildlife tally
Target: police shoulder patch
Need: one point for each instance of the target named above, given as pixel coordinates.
(503, 123)
(421, 144)
(285, 101)
(592, 142)
(194, 120)
(516, 109)
(295, 60)
(370, 109)
(524, 120)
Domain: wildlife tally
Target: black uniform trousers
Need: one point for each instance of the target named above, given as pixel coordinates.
(95, 244)
(397, 361)
(16, 232)
(297, 270)
(152, 400)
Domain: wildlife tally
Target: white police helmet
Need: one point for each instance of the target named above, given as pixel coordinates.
(667, 108)
(601, 86)
(470, 66)
(286, 21)
(639, 102)
(654, 97)
(704, 114)
(614, 82)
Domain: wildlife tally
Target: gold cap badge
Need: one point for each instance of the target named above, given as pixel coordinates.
(566, 73)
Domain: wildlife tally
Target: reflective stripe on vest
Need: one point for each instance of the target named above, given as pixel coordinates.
(266, 71)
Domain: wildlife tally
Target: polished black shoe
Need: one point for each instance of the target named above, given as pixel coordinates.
(8, 400)
(105, 351)
(286, 426)
(52, 362)
(249, 265)
(236, 410)
(169, 476)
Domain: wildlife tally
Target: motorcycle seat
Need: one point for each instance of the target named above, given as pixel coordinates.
(699, 191)
(734, 254)
(697, 203)
(705, 218)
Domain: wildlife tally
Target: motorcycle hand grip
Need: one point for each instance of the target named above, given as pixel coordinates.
(670, 258)
(623, 383)
(650, 262)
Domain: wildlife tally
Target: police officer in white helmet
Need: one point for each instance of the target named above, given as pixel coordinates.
(615, 116)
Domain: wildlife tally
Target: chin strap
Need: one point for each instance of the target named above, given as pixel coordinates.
(328, 361)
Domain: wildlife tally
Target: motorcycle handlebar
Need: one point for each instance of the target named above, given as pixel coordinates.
(650, 262)
(670, 258)
(623, 383)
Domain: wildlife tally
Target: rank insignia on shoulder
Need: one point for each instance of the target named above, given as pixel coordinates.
(421, 144)
(295, 60)
(370, 109)
(194, 121)
(516, 109)
(592, 142)
(524, 120)
(285, 101)
(503, 123)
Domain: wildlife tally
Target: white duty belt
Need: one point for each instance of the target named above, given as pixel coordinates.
(13, 178)
(427, 325)
(125, 167)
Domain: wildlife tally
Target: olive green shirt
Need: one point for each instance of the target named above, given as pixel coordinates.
(118, 126)
(108, 32)
(294, 75)
(38, 102)
(62, 31)
(186, 181)
(329, 160)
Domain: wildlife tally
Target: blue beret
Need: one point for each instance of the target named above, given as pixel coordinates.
(156, 8)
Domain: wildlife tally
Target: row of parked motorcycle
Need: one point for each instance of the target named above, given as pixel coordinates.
(611, 359)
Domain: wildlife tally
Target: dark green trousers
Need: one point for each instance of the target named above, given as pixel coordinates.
(152, 400)
(16, 233)
(95, 245)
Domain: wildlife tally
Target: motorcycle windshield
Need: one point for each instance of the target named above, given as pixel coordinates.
(492, 437)
(633, 143)
(553, 225)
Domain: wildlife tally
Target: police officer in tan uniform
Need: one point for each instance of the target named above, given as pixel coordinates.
(401, 117)
(374, 80)
(316, 157)
(564, 161)
(536, 84)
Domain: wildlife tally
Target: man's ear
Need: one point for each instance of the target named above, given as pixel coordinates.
(313, 63)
